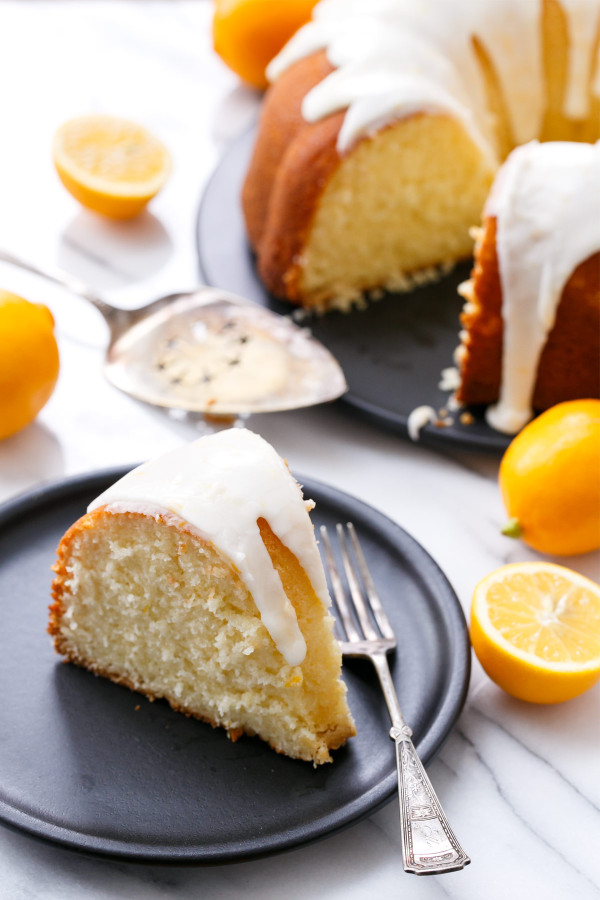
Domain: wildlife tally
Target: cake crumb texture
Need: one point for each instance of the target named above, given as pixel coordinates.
(150, 605)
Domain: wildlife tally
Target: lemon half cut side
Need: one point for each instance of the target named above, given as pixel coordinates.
(535, 628)
(110, 165)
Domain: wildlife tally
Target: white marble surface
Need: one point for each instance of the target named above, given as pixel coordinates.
(520, 783)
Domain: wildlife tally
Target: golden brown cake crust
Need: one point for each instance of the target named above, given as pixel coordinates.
(57, 608)
(278, 199)
(568, 368)
(280, 121)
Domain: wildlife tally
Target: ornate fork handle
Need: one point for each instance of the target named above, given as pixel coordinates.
(429, 845)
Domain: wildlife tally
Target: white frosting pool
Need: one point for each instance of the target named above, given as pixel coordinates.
(221, 484)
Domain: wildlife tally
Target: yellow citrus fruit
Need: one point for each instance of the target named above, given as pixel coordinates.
(247, 34)
(550, 480)
(28, 361)
(535, 628)
(111, 165)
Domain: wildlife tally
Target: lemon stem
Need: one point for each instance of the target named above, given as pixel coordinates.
(513, 528)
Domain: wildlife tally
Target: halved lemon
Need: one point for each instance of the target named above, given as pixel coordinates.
(535, 628)
(111, 165)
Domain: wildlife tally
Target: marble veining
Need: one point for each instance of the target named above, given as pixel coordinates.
(520, 784)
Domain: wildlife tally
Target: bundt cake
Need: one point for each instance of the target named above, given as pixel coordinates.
(197, 578)
(386, 123)
(531, 322)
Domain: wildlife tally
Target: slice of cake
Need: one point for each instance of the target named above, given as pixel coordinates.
(197, 578)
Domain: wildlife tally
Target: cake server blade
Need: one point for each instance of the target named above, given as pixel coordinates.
(208, 351)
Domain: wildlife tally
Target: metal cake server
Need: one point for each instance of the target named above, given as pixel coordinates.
(208, 351)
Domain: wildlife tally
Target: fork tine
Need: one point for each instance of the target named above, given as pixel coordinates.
(376, 606)
(338, 588)
(359, 601)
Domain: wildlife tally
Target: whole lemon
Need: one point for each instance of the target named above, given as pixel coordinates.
(29, 361)
(550, 480)
(247, 34)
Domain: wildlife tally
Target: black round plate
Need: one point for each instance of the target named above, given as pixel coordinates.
(100, 769)
(392, 353)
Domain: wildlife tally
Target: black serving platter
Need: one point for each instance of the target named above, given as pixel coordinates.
(96, 768)
(392, 352)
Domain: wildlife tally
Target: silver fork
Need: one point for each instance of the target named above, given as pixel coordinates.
(429, 846)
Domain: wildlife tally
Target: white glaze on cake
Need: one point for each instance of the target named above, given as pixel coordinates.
(546, 200)
(395, 57)
(220, 485)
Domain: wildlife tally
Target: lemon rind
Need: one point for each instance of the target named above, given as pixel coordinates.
(137, 190)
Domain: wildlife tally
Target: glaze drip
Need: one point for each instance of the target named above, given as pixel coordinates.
(389, 54)
(546, 200)
(221, 485)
